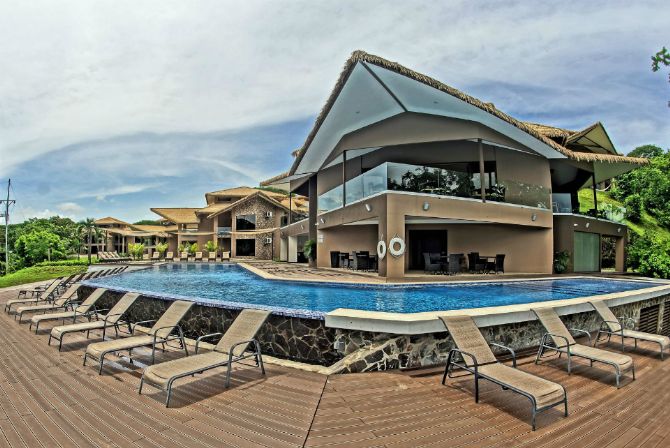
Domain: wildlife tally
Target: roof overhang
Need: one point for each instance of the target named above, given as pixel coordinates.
(592, 139)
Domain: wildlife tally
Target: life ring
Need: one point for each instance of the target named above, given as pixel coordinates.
(401, 246)
(381, 249)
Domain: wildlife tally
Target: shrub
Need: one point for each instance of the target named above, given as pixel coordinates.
(193, 248)
(73, 262)
(210, 246)
(161, 248)
(633, 204)
(136, 250)
(310, 249)
(39, 245)
(649, 256)
(561, 261)
(184, 247)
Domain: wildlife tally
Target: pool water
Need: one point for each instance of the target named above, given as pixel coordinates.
(232, 283)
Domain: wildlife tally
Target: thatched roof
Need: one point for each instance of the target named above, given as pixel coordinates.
(265, 195)
(274, 179)
(152, 228)
(178, 215)
(238, 192)
(549, 131)
(110, 220)
(361, 56)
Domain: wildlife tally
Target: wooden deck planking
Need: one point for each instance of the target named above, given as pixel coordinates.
(48, 398)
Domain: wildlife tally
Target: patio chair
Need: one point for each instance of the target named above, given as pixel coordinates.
(563, 342)
(61, 302)
(169, 256)
(145, 257)
(198, 256)
(477, 358)
(430, 264)
(475, 264)
(155, 256)
(211, 256)
(177, 257)
(612, 326)
(234, 346)
(184, 256)
(161, 333)
(38, 296)
(110, 320)
(344, 261)
(82, 310)
(225, 256)
(39, 288)
(454, 264)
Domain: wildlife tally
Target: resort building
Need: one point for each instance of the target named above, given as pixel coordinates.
(243, 221)
(401, 165)
(118, 234)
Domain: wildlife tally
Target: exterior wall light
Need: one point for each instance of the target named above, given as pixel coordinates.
(588, 224)
(576, 225)
(618, 230)
(322, 221)
(368, 207)
(426, 206)
(533, 217)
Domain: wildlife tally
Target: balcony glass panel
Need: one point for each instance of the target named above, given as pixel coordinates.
(561, 203)
(439, 181)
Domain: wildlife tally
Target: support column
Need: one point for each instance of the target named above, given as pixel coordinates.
(392, 224)
(620, 254)
(595, 195)
(313, 208)
(482, 185)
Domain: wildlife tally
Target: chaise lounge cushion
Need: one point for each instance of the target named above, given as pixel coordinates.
(160, 374)
(57, 332)
(96, 349)
(624, 362)
(544, 391)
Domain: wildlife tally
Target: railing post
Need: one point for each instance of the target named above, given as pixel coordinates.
(482, 187)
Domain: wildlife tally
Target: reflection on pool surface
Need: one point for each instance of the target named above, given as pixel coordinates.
(232, 283)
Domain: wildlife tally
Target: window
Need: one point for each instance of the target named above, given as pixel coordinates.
(245, 248)
(245, 222)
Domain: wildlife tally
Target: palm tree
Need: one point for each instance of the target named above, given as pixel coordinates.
(89, 228)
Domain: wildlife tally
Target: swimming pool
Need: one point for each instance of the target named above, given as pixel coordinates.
(232, 284)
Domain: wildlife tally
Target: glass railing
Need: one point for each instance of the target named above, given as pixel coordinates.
(224, 231)
(421, 179)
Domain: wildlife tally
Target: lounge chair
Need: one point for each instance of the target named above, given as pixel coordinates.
(40, 288)
(111, 320)
(230, 349)
(160, 333)
(478, 359)
(155, 256)
(211, 256)
(85, 309)
(60, 303)
(169, 256)
(145, 257)
(184, 256)
(563, 342)
(611, 326)
(225, 256)
(198, 256)
(38, 296)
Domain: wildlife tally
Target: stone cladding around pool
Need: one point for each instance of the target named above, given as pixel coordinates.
(306, 338)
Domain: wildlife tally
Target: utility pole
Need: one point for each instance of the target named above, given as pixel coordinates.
(5, 215)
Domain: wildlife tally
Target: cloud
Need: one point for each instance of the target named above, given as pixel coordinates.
(70, 207)
(157, 102)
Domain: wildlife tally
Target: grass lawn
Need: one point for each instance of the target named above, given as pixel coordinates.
(39, 273)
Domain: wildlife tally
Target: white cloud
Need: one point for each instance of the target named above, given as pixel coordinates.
(70, 207)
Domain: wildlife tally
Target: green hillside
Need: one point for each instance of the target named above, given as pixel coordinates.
(647, 225)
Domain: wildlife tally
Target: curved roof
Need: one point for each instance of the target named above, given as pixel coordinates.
(378, 67)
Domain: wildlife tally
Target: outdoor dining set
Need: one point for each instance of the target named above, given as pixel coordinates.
(437, 263)
(356, 260)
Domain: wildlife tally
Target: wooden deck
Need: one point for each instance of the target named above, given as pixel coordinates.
(48, 399)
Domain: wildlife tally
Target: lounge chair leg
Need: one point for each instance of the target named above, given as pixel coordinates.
(169, 394)
(153, 354)
(476, 388)
(139, 391)
(84, 359)
(633, 367)
(532, 420)
(49, 343)
(569, 365)
(102, 361)
(565, 414)
(446, 368)
(259, 357)
(228, 371)
(60, 343)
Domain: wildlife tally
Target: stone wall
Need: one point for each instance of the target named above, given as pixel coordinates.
(309, 340)
(259, 207)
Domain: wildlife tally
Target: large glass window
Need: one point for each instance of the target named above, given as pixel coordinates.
(586, 252)
(245, 222)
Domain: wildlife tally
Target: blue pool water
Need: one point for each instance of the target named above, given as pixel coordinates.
(231, 283)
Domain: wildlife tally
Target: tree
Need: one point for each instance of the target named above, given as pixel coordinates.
(661, 58)
(89, 229)
(646, 151)
(39, 245)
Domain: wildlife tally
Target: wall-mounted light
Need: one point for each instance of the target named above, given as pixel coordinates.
(368, 207)
(302, 227)
(426, 206)
(322, 221)
(576, 225)
(533, 217)
(618, 230)
(588, 224)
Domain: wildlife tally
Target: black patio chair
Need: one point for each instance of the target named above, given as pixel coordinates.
(454, 263)
(334, 258)
(476, 264)
(361, 261)
(431, 263)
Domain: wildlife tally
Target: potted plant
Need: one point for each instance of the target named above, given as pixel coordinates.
(210, 247)
(161, 248)
(561, 261)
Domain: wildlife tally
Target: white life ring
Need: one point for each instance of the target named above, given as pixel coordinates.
(392, 246)
(381, 249)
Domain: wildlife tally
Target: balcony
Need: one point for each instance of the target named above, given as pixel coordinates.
(224, 232)
(562, 204)
(438, 181)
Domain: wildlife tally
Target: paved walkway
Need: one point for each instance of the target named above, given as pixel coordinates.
(49, 399)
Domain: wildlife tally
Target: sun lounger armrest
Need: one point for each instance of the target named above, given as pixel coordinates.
(107, 316)
(604, 326)
(579, 330)
(234, 346)
(567, 343)
(509, 349)
(164, 328)
(207, 336)
(464, 354)
(135, 324)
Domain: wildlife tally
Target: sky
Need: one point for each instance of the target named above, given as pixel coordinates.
(113, 107)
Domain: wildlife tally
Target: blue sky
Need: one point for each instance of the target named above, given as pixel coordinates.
(109, 108)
